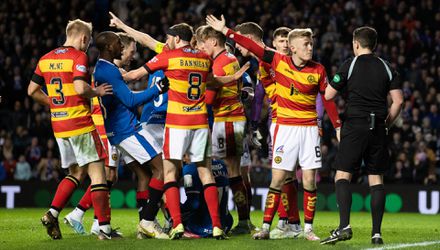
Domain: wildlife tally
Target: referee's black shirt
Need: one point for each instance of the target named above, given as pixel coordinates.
(366, 79)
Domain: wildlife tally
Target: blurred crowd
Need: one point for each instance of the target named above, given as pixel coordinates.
(409, 39)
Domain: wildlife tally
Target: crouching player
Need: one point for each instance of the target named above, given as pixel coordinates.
(195, 213)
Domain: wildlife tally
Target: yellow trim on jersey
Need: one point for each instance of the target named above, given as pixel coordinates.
(301, 77)
(183, 86)
(186, 127)
(95, 101)
(231, 68)
(159, 47)
(229, 119)
(97, 119)
(179, 108)
(297, 97)
(75, 132)
(227, 109)
(61, 114)
(189, 63)
(56, 65)
(289, 113)
(68, 89)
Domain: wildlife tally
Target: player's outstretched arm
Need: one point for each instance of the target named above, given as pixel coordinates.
(247, 43)
(128, 97)
(220, 80)
(142, 38)
(135, 74)
(83, 89)
(35, 91)
(395, 108)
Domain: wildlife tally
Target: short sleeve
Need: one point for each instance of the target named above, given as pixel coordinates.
(396, 82)
(37, 77)
(340, 79)
(80, 68)
(323, 80)
(159, 62)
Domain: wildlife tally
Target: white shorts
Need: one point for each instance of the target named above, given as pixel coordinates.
(296, 143)
(113, 153)
(194, 142)
(270, 140)
(245, 160)
(156, 130)
(81, 149)
(227, 139)
(141, 147)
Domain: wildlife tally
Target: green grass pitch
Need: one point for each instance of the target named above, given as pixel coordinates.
(21, 229)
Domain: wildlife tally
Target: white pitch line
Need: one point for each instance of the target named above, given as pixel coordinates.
(406, 245)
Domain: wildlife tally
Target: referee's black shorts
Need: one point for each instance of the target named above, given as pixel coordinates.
(359, 143)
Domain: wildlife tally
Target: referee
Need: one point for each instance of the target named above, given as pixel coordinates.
(367, 80)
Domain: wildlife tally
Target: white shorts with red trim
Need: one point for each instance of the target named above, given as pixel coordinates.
(227, 139)
(194, 142)
(81, 149)
(296, 143)
(112, 161)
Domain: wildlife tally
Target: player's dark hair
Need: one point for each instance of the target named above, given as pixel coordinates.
(183, 30)
(125, 39)
(366, 36)
(209, 32)
(104, 39)
(281, 31)
(250, 28)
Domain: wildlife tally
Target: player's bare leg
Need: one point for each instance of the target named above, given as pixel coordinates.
(309, 202)
(64, 191)
(211, 196)
(272, 202)
(247, 183)
(172, 195)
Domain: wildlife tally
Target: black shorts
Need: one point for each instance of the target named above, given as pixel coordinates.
(359, 143)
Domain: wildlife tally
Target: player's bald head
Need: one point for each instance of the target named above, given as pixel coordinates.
(105, 39)
(250, 28)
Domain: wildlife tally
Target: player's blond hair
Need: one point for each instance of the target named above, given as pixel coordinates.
(295, 33)
(78, 27)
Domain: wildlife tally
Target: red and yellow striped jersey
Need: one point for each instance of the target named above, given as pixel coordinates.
(266, 77)
(70, 113)
(227, 106)
(296, 90)
(187, 70)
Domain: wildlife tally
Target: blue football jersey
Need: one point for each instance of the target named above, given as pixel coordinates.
(155, 112)
(119, 119)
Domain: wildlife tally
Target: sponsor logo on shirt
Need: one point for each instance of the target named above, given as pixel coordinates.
(81, 68)
(192, 109)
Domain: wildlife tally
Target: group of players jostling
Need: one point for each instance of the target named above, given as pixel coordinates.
(193, 76)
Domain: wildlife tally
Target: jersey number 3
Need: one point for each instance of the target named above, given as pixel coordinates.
(58, 100)
(194, 91)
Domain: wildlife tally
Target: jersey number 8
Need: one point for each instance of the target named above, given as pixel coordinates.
(194, 91)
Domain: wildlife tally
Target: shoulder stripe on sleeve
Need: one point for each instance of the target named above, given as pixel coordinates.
(38, 79)
(350, 70)
(387, 68)
(148, 69)
(80, 78)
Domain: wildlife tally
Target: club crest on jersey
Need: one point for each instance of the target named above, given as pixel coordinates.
(280, 149)
(278, 159)
(60, 51)
(311, 79)
(81, 68)
(114, 157)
